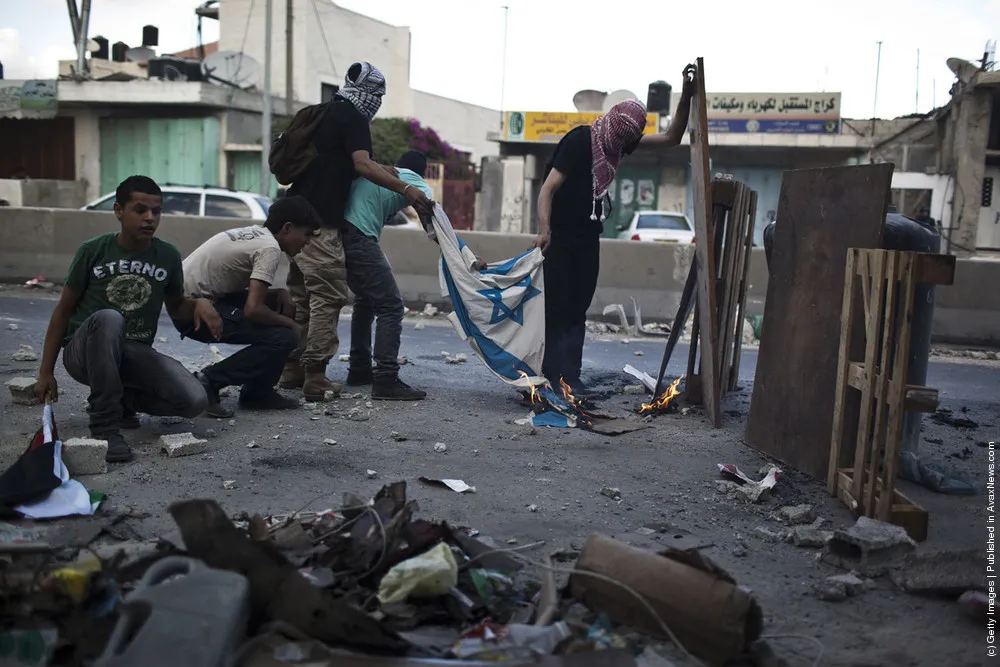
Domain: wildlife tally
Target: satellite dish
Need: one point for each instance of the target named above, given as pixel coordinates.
(139, 54)
(233, 68)
(616, 97)
(589, 101)
(963, 69)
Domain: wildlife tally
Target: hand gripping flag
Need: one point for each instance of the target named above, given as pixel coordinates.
(499, 310)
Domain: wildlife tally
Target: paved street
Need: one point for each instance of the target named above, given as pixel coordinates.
(666, 473)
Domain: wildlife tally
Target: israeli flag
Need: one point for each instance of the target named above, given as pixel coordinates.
(499, 310)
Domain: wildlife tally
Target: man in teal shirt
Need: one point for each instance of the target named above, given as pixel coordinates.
(370, 278)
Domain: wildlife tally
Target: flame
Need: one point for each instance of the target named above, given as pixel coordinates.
(535, 398)
(663, 401)
(567, 393)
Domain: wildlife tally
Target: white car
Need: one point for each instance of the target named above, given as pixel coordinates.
(401, 221)
(210, 202)
(658, 226)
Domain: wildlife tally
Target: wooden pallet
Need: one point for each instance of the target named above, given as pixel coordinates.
(734, 209)
(886, 280)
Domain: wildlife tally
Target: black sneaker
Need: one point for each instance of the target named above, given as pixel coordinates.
(118, 449)
(395, 390)
(269, 401)
(360, 377)
(215, 407)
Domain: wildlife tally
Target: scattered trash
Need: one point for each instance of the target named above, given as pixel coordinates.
(431, 574)
(456, 485)
(754, 491)
(440, 447)
(24, 353)
(646, 379)
(229, 484)
(612, 492)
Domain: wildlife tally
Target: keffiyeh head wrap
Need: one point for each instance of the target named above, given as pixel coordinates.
(610, 135)
(365, 90)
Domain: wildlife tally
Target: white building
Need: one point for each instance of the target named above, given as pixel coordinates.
(326, 40)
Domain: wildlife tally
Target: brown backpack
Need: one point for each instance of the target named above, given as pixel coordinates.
(293, 150)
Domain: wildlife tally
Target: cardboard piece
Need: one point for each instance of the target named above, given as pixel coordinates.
(712, 617)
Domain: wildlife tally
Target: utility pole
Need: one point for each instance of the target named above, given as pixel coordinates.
(265, 137)
(80, 24)
(503, 73)
(289, 69)
(916, 104)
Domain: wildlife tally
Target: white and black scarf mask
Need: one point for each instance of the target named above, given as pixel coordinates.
(365, 92)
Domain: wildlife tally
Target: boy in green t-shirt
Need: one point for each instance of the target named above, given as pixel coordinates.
(106, 317)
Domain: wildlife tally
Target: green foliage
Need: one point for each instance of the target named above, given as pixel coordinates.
(390, 139)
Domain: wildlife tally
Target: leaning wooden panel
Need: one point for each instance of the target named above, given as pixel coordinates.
(734, 372)
(821, 213)
(707, 310)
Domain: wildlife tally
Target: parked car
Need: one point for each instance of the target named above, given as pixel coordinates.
(658, 226)
(401, 221)
(201, 201)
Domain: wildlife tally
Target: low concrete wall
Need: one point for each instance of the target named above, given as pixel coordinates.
(42, 241)
(43, 192)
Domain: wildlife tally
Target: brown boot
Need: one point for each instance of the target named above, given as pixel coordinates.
(293, 376)
(316, 385)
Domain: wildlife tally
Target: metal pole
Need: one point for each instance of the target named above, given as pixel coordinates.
(916, 104)
(878, 66)
(265, 137)
(81, 39)
(289, 69)
(503, 74)
(74, 20)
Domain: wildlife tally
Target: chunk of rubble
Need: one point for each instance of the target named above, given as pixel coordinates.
(612, 492)
(870, 546)
(229, 484)
(440, 447)
(419, 326)
(85, 456)
(429, 310)
(397, 436)
(22, 391)
(771, 535)
(840, 587)
(812, 536)
(371, 474)
(182, 444)
(797, 515)
(24, 353)
(942, 572)
(459, 358)
(12, 327)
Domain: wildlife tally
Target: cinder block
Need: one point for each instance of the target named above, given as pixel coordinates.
(942, 572)
(85, 456)
(869, 546)
(182, 444)
(22, 391)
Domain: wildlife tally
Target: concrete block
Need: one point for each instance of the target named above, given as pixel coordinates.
(22, 391)
(797, 514)
(85, 456)
(942, 572)
(853, 584)
(810, 537)
(869, 546)
(182, 444)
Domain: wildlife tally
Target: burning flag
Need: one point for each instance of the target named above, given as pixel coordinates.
(499, 310)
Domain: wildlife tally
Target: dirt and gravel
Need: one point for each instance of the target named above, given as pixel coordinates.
(534, 485)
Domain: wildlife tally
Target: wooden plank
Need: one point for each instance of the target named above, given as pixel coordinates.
(915, 398)
(885, 319)
(702, 190)
(822, 213)
(734, 372)
(865, 442)
(844, 368)
(731, 327)
(683, 311)
(900, 367)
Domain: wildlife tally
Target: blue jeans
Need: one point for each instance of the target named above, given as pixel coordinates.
(125, 374)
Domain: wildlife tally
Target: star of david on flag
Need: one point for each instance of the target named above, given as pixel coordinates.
(499, 310)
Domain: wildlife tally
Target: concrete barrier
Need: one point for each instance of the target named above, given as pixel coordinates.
(36, 241)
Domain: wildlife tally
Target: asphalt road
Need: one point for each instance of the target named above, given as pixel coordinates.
(666, 473)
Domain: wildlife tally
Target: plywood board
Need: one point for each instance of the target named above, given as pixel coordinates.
(821, 213)
(707, 311)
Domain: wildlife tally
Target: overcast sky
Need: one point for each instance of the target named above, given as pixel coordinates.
(557, 47)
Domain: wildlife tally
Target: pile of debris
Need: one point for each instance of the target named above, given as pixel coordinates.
(369, 579)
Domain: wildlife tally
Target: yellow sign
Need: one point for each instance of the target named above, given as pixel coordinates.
(539, 126)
